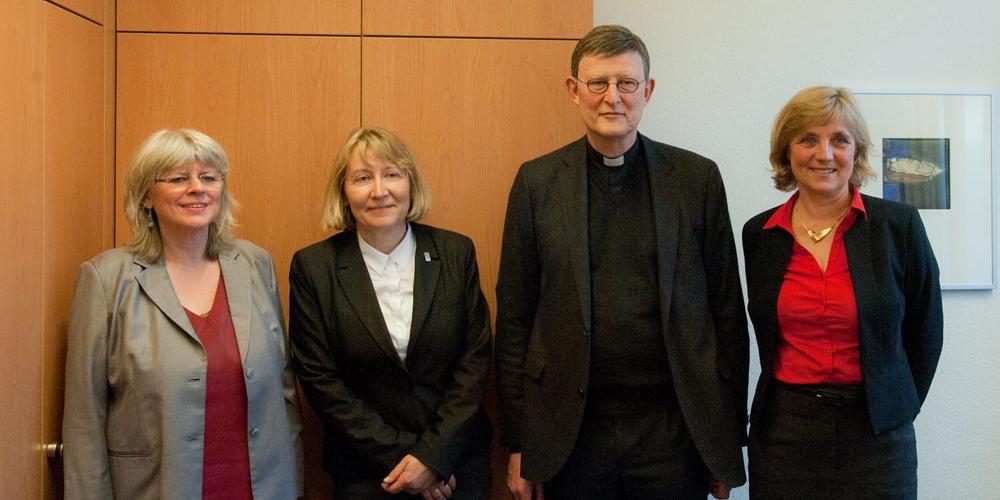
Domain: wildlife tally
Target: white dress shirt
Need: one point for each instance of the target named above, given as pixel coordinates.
(392, 278)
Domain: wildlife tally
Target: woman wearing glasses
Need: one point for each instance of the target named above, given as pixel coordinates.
(177, 381)
(390, 334)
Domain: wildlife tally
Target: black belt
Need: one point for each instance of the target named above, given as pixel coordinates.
(831, 394)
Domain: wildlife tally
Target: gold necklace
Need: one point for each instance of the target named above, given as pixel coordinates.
(817, 236)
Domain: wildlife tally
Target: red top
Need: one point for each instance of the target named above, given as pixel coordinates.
(227, 457)
(817, 314)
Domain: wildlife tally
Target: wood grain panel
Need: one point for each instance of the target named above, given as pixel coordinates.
(21, 249)
(91, 9)
(76, 189)
(471, 126)
(280, 106)
(497, 104)
(316, 17)
(483, 18)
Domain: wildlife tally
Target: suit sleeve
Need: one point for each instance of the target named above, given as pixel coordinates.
(289, 391)
(726, 292)
(86, 469)
(923, 322)
(518, 288)
(441, 445)
(335, 404)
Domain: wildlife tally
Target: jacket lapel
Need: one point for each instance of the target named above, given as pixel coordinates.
(426, 274)
(578, 240)
(352, 274)
(236, 273)
(857, 242)
(770, 262)
(155, 282)
(666, 220)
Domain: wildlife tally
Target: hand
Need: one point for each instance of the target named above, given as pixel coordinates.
(719, 489)
(409, 475)
(439, 491)
(520, 488)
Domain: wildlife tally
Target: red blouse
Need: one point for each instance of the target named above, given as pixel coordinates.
(226, 461)
(817, 314)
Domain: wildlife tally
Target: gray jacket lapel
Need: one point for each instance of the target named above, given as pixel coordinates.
(575, 194)
(155, 282)
(236, 273)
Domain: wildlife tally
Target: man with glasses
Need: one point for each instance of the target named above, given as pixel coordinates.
(621, 337)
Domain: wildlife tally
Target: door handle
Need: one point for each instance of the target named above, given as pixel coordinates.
(53, 450)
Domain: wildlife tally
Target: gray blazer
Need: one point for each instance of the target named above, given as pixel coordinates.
(135, 381)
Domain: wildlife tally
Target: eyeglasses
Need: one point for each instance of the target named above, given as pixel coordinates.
(183, 181)
(600, 85)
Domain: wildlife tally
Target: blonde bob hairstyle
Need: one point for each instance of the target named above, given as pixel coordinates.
(818, 106)
(386, 146)
(160, 152)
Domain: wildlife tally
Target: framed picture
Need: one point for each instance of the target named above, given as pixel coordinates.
(937, 152)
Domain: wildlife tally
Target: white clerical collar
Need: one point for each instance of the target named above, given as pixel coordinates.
(402, 255)
(613, 162)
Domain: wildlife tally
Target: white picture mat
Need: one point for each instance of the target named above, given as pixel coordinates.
(963, 236)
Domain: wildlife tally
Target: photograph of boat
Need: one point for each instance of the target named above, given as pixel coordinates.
(916, 171)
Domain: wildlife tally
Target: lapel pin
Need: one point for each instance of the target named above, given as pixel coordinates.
(427, 256)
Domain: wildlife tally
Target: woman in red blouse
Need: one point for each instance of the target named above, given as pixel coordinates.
(844, 296)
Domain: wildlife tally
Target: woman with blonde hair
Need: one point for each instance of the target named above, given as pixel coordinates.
(844, 296)
(390, 334)
(177, 377)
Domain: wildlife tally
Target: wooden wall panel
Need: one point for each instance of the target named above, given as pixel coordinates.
(331, 17)
(280, 106)
(501, 102)
(21, 250)
(496, 104)
(76, 188)
(91, 9)
(482, 18)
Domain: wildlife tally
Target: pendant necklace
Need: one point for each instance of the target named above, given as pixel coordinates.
(818, 236)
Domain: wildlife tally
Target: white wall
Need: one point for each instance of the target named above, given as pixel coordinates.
(725, 67)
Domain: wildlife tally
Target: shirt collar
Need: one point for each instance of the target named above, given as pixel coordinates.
(402, 255)
(782, 217)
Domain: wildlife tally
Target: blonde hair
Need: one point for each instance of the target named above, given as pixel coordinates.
(162, 151)
(817, 106)
(387, 146)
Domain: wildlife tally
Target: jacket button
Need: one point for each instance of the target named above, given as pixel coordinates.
(582, 391)
(585, 333)
(254, 432)
(249, 373)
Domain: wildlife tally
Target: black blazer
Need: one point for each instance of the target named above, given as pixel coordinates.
(900, 322)
(543, 315)
(375, 409)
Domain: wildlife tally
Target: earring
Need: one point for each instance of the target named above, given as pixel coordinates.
(150, 222)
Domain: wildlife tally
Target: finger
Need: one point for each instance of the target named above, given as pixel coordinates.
(394, 473)
(445, 489)
(452, 483)
(426, 495)
(539, 491)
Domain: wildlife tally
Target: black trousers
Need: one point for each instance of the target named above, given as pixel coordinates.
(472, 482)
(637, 456)
(822, 450)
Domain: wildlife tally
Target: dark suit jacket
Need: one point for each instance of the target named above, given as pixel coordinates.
(543, 316)
(900, 323)
(375, 408)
